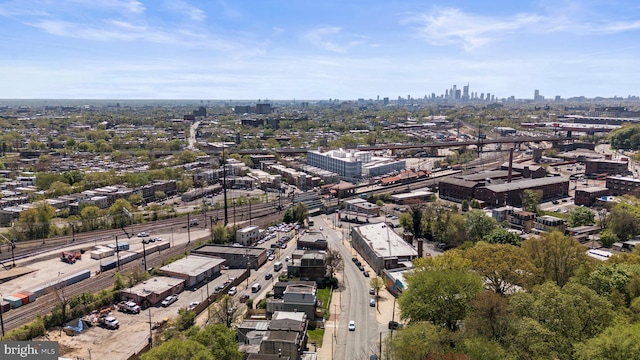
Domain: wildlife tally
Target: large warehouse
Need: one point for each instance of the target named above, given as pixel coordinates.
(381, 247)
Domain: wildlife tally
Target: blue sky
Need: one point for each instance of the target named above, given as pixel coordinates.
(316, 49)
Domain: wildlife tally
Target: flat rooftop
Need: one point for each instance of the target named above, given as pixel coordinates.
(385, 242)
(193, 265)
(237, 250)
(155, 285)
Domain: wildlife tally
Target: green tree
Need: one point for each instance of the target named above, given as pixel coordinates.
(608, 238)
(35, 222)
(556, 256)
(465, 205)
(624, 220)
(179, 349)
(90, 215)
(490, 317)
(478, 348)
(220, 340)
(531, 199)
(118, 216)
(501, 235)
(581, 216)
(439, 296)
(420, 341)
(406, 221)
(504, 267)
(478, 225)
(574, 312)
(118, 282)
(185, 319)
(617, 342)
(220, 234)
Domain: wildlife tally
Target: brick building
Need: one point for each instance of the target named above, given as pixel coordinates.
(588, 196)
(511, 193)
(619, 185)
(611, 167)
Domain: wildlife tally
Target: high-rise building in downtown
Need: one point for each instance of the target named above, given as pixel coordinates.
(465, 92)
(488, 97)
(481, 96)
(536, 95)
(446, 94)
(458, 94)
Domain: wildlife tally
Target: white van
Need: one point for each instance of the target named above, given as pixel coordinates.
(255, 288)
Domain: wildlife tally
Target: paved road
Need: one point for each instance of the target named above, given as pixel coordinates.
(353, 304)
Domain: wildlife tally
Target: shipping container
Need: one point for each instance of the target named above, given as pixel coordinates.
(75, 278)
(101, 254)
(5, 306)
(13, 301)
(24, 298)
(121, 246)
(111, 264)
(39, 291)
(129, 258)
(159, 247)
(32, 296)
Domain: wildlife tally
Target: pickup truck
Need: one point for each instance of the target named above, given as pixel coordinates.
(109, 322)
(129, 307)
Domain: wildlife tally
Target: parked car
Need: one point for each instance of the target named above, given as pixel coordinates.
(372, 291)
(268, 276)
(193, 305)
(366, 274)
(244, 298)
(129, 307)
(271, 257)
(169, 300)
(352, 325)
(361, 268)
(109, 322)
(233, 291)
(372, 302)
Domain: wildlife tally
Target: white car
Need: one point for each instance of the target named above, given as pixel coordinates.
(320, 228)
(193, 305)
(143, 234)
(233, 291)
(352, 325)
(169, 300)
(271, 257)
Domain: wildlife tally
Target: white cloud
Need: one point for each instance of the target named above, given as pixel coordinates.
(331, 38)
(130, 6)
(193, 12)
(452, 26)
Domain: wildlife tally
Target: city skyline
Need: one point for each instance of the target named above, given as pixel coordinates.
(177, 49)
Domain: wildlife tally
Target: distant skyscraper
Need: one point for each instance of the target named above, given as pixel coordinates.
(536, 95)
(465, 92)
(446, 94)
(385, 101)
(488, 97)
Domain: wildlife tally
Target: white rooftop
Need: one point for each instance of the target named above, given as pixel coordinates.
(384, 241)
(193, 265)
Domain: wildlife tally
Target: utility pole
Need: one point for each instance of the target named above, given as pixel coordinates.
(188, 230)
(224, 187)
(249, 198)
(150, 326)
(117, 253)
(1, 318)
(211, 222)
(144, 256)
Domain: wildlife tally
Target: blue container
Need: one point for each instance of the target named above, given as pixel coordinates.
(108, 265)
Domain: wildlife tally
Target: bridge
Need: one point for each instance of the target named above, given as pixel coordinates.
(394, 147)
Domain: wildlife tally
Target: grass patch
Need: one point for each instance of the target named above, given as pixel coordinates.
(556, 214)
(324, 295)
(315, 336)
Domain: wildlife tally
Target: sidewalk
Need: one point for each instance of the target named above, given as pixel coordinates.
(324, 352)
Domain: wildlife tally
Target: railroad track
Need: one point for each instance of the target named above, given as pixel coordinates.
(45, 303)
(30, 248)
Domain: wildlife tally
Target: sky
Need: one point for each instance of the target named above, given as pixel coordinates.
(316, 49)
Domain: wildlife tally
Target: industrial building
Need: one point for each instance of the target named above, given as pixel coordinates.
(237, 257)
(500, 187)
(353, 165)
(153, 291)
(194, 269)
(511, 193)
(619, 185)
(381, 247)
(248, 235)
(610, 167)
(588, 196)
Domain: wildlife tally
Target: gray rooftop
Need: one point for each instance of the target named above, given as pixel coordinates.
(193, 265)
(527, 184)
(384, 241)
